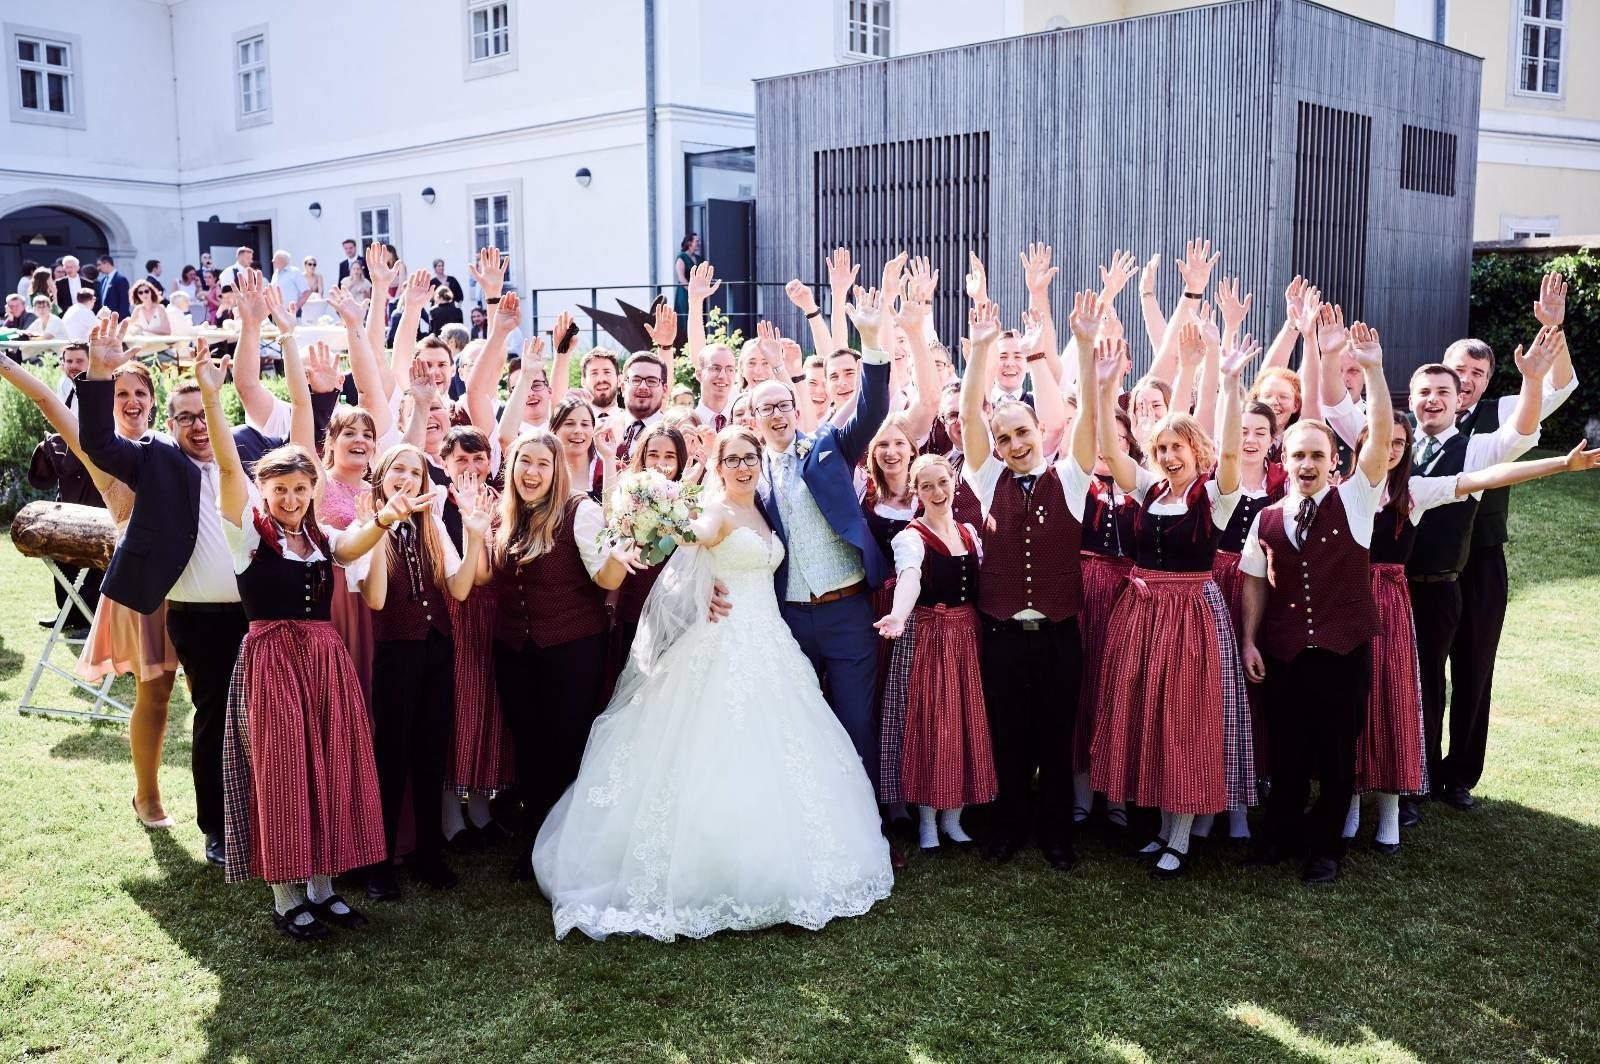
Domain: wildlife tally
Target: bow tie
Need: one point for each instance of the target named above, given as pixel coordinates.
(1303, 518)
(1026, 483)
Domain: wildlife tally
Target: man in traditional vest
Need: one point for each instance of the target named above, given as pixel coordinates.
(1309, 619)
(1444, 537)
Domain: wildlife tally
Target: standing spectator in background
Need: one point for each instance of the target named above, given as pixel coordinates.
(351, 260)
(69, 284)
(152, 273)
(289, 282)
(211, 291)
(441, 279)
(79, 319)
(17, 314)
(46, 325)
(355, 282)
(43, 283)
(688, 258)
(74, 360)
(243, 259)
(26, 278)
(445, 309)
(480, 324)
(112, 287)
(313, 279)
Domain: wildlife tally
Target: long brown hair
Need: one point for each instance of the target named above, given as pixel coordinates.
(1398, 484)
(421, 520)
(293, 460)
(891, 424)
(528, 530)
(659, 431)
(342, 418)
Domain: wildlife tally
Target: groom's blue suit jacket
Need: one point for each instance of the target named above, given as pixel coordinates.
(829, 471)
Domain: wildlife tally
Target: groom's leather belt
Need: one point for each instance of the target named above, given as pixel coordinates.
(842, 593)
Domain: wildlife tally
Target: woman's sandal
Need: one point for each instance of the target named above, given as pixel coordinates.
(351, 918)
(1157, 872)
(312, 932)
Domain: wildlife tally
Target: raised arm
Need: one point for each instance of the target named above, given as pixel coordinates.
(477, 512)
(382, 274)
(1196, 265)
(872, 398)
(1332, 338)
(416, 295)
(1551, 309)
(233, 491)
(1108, 361)
(1155, 321)
(483, 383)
(702, 286)
(1048, 401)
(1505, 474)
(54, 410)
(1037, 273)
(1373, 461)
(800, 295)
(1301, 303)
(976, 280)
(1205, 404)
(924, 377)
(1191, 354)
(663, 333)
(250, 294)
(97, 429)
(1084, 321)
(510, 425)
(363, 365)
(1230, 431)
(562, 367)
(302, 421)
(983, 329)
(841, 278)
(1534, 366)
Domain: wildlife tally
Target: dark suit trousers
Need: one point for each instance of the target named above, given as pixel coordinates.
(1030, 687)
(1316, 708)
(839, 639)
(1436, 611)
(550, 697)
(207, 643)
(1483, 613)
(413, 721)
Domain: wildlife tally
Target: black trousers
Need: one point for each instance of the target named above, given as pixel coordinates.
(1316, 707)
(1436, 612)
(550, 696)
(1484, 590)
(89, 592)
(1030, 687)
(207, 637)
(413, 723)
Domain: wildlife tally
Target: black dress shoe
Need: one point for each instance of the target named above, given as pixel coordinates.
(216, 850)
(381, 883)
(1410, 813)
(1457, 797)
(436, 874)
(999, 851)
(1320, 871)
(1061, 858)
(311, 932)
(1159, 873)
(1388, 849)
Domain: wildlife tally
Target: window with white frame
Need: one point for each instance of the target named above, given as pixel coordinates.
(1528, 226)
(866, 28)
(489, 25)
(375, 223)
(1540, 26)
(250, 75)
(491, 224)
(44, 73)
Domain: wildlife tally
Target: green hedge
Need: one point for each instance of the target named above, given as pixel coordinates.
(1504, 288)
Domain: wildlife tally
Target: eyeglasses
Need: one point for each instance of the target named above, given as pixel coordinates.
(784, 406)
(187, 421)
(538, 386)
(952, 416)
(645, 382)
(735, 461)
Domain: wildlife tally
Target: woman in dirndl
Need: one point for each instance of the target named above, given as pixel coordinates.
(348, 450)
(1173, 719)
(946, 762)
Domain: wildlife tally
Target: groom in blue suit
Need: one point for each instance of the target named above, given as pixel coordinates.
(831, 562)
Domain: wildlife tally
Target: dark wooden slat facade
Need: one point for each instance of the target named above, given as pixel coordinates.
(1278, 128)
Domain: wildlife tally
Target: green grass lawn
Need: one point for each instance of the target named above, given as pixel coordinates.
(1479, 942)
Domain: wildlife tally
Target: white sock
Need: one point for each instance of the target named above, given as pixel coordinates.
(320, 889)
(1388, 818)
(1082, 797)
(450, 821)
(1352, 819)
(928, 828)
(286, 896)
(1239, 823)
(1117, 813)
(1202, 825)
(478, 810)
(1178, 840)
(950, 824)
(1166, 833)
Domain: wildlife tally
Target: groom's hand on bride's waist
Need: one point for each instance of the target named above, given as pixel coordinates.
(720, 603)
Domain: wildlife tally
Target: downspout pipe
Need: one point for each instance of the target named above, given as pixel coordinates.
(653, 210)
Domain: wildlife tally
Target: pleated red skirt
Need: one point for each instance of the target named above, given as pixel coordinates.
(1102, 580)
(947, 760)
(1159, 739)
(482, 762)
(1389, 755)
(312, 788)
(352, 619)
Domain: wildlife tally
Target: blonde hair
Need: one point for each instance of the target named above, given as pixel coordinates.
(528, 530)
(1289, 377)
(1189, 431)
(421, 520)
(930, 461)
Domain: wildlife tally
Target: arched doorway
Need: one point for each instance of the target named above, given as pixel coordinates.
(44, 234)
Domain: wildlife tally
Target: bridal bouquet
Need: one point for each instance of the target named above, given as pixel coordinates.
(654, 512)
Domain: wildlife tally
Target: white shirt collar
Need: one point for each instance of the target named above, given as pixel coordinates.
(1443, 437)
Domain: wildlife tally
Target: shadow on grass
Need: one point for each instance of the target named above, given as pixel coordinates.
(108, 743)
(1476, 943)
(11, 661)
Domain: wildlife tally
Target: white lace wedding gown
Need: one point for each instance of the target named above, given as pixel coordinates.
(722, 794)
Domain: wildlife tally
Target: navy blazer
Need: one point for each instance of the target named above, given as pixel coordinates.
(829, 471)
(113, 294)
(166, 483)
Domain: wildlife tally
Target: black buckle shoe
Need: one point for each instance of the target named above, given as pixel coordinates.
(1163, 874)
(351, 918)
(312, 932)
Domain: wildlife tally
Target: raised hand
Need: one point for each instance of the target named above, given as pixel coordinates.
(379, 271)
(1365, 346)
(663, 331)
(418, 292)
(983, 324)
(507, 315)
(793, 357)
(889, 626)
(322, 369)
(1085, 318)
(533, 353)
(1196, 266)
(1114, 278)
(841, 273)
(1579, 459)
(106, 351)
(606, 440)
(464, 486)
(347, 306)
(1037, 273)
(1032, 330)
(1110, 321)
(489, 271)
(281, 316)
(250, 297)
(208, 374)
(478, 516)
(1240, 355)
(913, 313)
(1551, 308)
(1541, 354)
(1147, 276)
(1207, 320)
(977, 279)
(423, 390)
(1296, 306)
(399, 507)
(558, 336)
(365, 511)
(1331, 333)
(1109, 356)
(770, 342)
(703, 283)
(1234, 310)
(800, 295)
(892, 272)
(866, 312)
(1191, 344)
(924, 280)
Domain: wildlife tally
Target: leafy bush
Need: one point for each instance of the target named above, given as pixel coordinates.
(1504, 288)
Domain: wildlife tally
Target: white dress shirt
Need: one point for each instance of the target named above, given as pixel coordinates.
(1360, 499)
(78, 322)
(1505, 444)
(209, 575)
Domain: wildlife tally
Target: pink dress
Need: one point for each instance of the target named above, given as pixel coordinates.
(351, 617)
(123, 639)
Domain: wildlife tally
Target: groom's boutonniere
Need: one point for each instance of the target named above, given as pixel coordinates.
(803, 447)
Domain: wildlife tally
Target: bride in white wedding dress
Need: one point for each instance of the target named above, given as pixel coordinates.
(717, 791)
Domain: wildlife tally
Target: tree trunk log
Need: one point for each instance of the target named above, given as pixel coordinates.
(66, 532)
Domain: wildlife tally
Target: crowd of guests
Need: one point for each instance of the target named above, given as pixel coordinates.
(1049, 590)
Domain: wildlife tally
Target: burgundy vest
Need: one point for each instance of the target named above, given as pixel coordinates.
(552, 599)
(405, 614)
(1321, 597)
(1030, 551)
